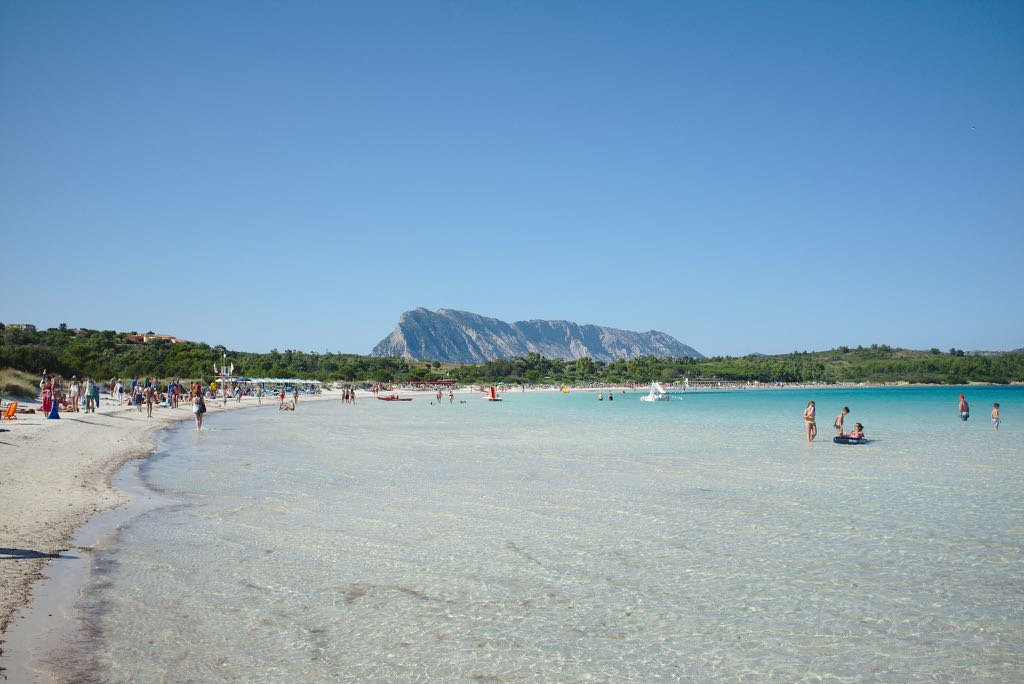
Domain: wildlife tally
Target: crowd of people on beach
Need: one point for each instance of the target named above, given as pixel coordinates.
(83, 395)
(75, 396)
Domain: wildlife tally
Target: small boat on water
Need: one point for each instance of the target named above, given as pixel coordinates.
(657, 393)
(395, 397)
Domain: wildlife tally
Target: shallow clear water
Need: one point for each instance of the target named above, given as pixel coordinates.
(555, 538)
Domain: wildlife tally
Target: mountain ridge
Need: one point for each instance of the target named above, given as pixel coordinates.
(454, 336)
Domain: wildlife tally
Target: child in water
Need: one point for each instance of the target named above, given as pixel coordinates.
(995, 416)
(857, 432)
(838, 422)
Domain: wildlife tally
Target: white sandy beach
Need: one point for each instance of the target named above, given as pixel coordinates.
(57, 474)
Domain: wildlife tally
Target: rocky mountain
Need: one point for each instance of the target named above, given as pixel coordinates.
(463, 337)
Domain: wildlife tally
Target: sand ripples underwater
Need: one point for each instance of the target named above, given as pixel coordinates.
(552, 538)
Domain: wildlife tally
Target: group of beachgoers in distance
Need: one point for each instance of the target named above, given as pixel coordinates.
(810, 423)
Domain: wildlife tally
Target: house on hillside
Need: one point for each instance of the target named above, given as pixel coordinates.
(149, 337)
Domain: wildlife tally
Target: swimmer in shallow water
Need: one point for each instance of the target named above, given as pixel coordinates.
(995, 416)
(965, 409)
(857, 432)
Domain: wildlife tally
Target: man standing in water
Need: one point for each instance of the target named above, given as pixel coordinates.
(965, 409)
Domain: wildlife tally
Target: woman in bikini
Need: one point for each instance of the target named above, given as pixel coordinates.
(812, 428)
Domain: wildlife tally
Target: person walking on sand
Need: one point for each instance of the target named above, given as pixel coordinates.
(198, 409)
(295, 395)
(965, 409)
(838, 422)
(119, 391)
(812, 428)
(150, 394)
(280, 398)
(995, 416)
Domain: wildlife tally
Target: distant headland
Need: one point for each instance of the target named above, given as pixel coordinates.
(462, 337)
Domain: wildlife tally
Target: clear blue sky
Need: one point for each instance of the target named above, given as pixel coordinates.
(746, 176)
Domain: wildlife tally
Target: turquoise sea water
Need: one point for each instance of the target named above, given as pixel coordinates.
(556, 538)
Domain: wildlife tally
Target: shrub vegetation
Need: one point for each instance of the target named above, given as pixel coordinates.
(103, 354)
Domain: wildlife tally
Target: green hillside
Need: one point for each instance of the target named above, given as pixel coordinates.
(104, 354)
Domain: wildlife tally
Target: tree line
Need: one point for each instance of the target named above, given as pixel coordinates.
(103, 354)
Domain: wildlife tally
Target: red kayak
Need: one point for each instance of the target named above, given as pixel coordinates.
(395, 397)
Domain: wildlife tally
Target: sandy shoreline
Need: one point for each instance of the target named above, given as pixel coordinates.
(56, 475)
